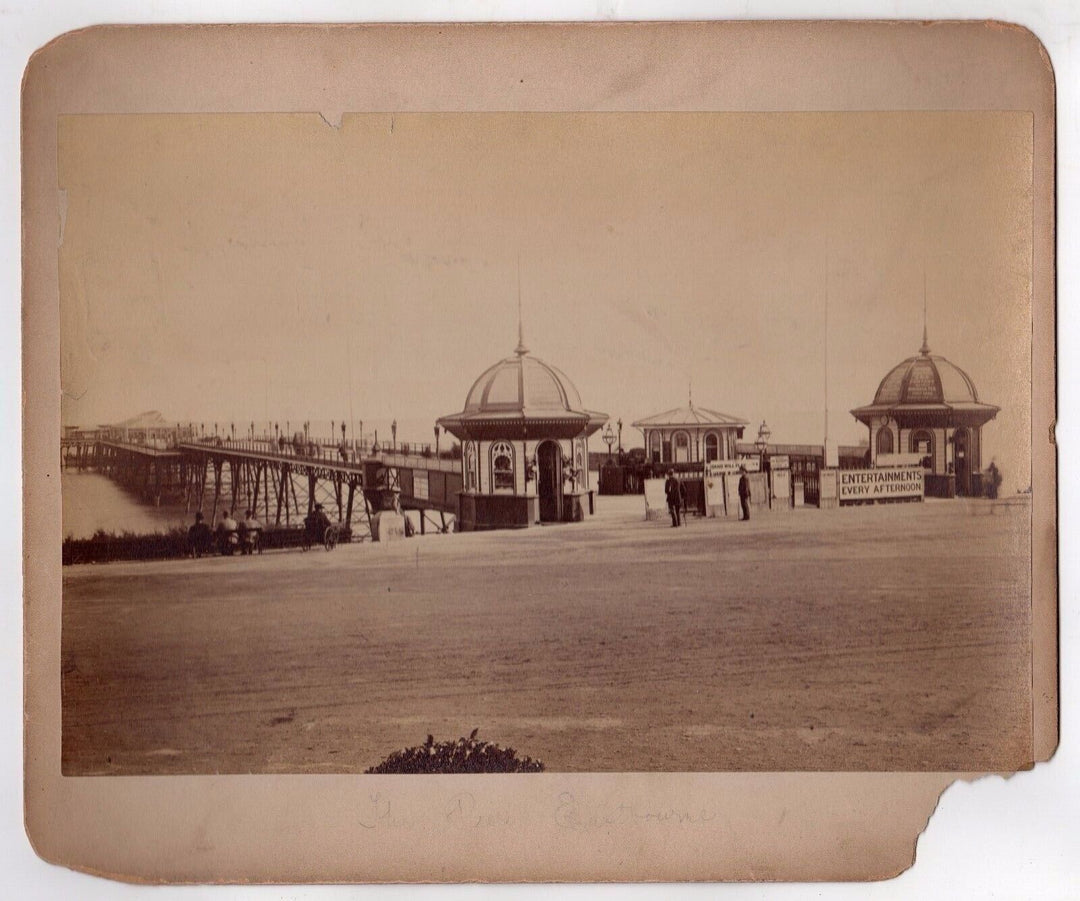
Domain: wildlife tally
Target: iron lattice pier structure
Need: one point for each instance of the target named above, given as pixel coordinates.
(280, 484)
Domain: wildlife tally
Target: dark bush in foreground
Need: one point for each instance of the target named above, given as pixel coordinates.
(107, 547)
(466, 755)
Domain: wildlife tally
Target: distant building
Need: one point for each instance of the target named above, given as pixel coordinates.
(690, 435)
(930, 407)
(524, 436)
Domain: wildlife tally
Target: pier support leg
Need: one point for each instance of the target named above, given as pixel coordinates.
(217, 490)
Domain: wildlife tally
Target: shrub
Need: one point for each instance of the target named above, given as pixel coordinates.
(106, 547)
(466, 755)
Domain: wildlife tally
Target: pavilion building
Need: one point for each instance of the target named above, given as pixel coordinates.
(524, 435)
(930, 407)
(690, 435)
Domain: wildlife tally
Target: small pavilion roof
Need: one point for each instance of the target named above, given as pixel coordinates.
(692, 416)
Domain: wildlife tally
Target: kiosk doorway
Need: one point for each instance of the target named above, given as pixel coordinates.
(549, 481)
(962, 462)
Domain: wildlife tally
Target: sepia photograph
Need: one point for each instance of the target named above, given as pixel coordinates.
(542, 441)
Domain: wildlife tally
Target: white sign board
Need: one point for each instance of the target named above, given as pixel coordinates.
(880, 484)
(780, 461)
(655, 499)
(714, 495)
(730, 467)
(899, 460)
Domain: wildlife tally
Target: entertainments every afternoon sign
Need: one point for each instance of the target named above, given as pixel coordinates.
(880, 484)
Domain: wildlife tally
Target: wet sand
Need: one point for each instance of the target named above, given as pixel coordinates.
(883, 638)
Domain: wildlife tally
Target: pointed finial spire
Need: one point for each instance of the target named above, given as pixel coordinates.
(690, 392)
(521, 349)
(925, 349)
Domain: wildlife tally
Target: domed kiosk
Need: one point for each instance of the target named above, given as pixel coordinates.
(930, 407)
(525, 446)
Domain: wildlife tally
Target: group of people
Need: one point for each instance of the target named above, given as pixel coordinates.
(675, 492)
(231, 535)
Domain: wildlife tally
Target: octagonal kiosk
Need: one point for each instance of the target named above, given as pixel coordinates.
(525, 446)
(927, 409)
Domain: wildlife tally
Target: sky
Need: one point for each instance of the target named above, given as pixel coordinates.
(270, 267)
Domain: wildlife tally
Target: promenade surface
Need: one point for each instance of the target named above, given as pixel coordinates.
(890, 637)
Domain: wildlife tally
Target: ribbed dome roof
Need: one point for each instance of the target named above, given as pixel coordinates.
(929, 388)
(926, 379)
(522, 397)
(525, 384)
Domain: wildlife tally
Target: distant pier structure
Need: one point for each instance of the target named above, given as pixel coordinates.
(928, 407)
(525, 446)
(282, 483)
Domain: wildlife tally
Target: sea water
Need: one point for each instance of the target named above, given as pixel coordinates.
(92, 501)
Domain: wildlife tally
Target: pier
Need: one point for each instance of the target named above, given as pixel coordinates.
(280, 481)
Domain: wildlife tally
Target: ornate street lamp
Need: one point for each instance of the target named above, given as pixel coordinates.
(620, 437)
(436, 440)
(393, 433)
(609, 439)
(762, 443)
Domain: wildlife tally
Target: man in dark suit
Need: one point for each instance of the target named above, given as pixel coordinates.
(674, 496)
(744, 493)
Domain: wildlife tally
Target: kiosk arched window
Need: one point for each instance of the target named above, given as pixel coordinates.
(682, 447)
(712, 447)
(470, 466)
(884, 441)
(922, 443)
(502, 466)
(654, 447)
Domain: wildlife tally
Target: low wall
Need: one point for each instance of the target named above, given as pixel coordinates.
(478, 512)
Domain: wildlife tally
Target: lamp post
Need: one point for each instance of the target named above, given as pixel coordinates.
(762, 445)
(619, 423)
(393, 434)
(609, 439)
(436, 440)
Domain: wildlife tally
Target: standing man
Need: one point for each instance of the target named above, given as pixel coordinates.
(200, 538)
(744, 494)
(674, 497)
